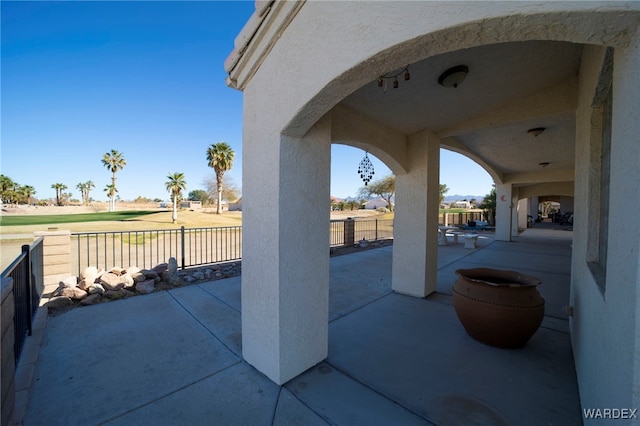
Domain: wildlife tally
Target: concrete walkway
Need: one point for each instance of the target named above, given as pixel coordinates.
(173, 358)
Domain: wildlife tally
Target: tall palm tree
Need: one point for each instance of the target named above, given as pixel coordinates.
(175, 185)
(111, 193)
(220, 157)
(113, 161)
(59, 187)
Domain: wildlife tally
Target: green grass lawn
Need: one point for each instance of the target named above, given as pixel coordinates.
(73, 218)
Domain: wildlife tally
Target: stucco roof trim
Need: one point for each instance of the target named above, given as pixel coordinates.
(257, 38)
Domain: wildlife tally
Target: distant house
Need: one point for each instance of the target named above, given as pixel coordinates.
(236, 206)
(377, 203)
(463, 204)
(191, 205)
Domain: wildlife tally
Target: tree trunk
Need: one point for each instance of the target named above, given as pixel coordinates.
(174, 216)
(219, 206)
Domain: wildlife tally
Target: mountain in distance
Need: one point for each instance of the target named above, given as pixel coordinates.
(456, 197)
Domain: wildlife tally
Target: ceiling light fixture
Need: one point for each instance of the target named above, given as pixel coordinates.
(536, 131)
(454, 76)
(382, 80)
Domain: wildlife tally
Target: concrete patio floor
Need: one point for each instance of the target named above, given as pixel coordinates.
(175, 357)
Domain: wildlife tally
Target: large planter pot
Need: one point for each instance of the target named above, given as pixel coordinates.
(497, 307)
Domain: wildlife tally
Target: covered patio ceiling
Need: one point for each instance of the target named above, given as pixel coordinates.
(510, 88)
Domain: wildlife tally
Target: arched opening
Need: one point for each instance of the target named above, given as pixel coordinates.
(528, 70)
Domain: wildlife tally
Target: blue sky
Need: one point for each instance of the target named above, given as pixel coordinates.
(147, 79)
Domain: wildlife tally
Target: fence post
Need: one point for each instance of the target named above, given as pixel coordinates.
(349, 232)
(182, 245)
(56, 252)
(376, 229)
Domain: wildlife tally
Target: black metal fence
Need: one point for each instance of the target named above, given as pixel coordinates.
(146, 249)
(193, 246)
(459, 219)
(347, 232)
(28, 285)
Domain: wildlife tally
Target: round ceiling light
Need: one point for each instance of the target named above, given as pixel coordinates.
(454, 76)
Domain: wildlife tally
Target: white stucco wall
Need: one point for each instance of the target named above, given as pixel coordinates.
(304, 76)
(606, 326)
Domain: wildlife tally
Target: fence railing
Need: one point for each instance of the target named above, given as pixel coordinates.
(28, 285)
(146, 249)
(349, 231)
(461, 218)
(193, 246)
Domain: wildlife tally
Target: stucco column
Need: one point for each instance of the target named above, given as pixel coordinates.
(415, 246)
(515, 209)
(533, 207)
(523, 212)
(56, 256)
(503, 212)
(285, 276)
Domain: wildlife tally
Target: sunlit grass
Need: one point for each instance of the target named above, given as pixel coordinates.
(57, 219)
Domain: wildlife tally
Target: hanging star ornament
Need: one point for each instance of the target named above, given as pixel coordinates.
(365, 169)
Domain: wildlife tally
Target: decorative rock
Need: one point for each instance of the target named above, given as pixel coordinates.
(59, 302)
(132, 270)
(111, 281)
(89, 276)
(173, 266)
(116, 270)
(208, 273)
(92, 299)
(149, 273)
(128, 280)
(73, 293)
(198, 275)
(127, 293)
(160, 268)
(96, 288)
(145, 287)
(165, 276)
(189, 278)
(138, 276)
(218, 274)
(89, 271)
(115, 294)
(69, 282)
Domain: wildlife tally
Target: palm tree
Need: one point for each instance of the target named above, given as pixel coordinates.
(175, 185)
(27, 191)
(220, 157)
(7, 186)
(111, 193)
(85, 189)
(82, 187)
(113, 161)
(59, 187)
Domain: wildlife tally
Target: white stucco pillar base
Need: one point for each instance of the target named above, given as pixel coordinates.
(285, 277)
(523, 213)
(503, 212)
(515, 209)
(415, 246)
